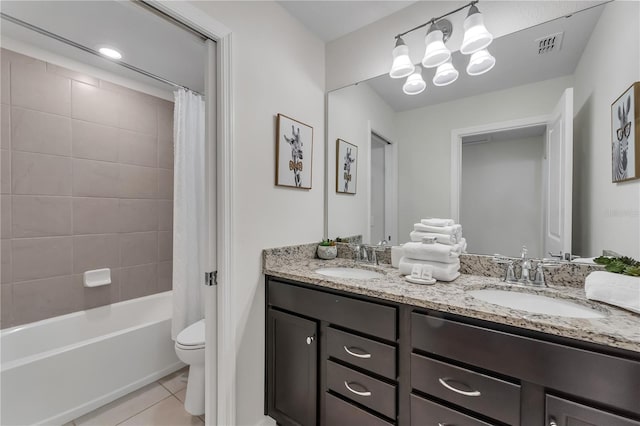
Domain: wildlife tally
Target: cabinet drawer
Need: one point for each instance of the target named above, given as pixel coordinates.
(367, 317)
(365, 353)
(563, 368)
(365, 390)
(427, 413)
(487, 395)
(567, 413)
(338, 412)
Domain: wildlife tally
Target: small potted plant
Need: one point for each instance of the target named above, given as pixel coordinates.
(327, 250)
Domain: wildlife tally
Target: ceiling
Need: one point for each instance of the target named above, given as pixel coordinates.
(146, 40)
(517, 63)
(330, 20)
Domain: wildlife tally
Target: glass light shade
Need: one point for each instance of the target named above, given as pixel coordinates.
(414, 84)
(480, 62)
(402, 65)
(436, 52)
(445, 74)
(476, 36)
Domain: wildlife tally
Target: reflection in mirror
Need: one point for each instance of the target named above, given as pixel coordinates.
(496, 152)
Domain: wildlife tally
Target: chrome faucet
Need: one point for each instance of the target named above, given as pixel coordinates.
(526, 269)
(526, 266)
(365, 254)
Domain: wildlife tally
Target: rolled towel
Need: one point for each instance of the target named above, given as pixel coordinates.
(435, 252)
(417, 236)
(614, 289)
(440, 271)
(434, 221)
(448, 230)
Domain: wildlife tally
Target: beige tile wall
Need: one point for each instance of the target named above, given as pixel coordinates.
(87, 183)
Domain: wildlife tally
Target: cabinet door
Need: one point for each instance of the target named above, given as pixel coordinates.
(292, 355)
(561, 412)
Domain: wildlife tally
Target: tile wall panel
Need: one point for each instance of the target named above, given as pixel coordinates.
(87, 183)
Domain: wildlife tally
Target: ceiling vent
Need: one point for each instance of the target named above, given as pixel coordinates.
(550, 43)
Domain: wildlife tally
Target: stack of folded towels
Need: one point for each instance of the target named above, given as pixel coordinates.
(437, 243)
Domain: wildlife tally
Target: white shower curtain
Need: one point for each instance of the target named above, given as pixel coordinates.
(189, 224)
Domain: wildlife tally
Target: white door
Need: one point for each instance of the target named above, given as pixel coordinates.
(377, 207)
(559, 178)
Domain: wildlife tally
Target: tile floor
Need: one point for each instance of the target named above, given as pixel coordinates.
(157, 404)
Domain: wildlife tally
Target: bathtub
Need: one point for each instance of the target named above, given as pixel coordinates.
(55, 370)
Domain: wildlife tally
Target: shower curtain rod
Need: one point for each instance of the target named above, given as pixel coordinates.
(93, 52)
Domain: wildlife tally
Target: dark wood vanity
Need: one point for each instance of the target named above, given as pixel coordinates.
(338, 359)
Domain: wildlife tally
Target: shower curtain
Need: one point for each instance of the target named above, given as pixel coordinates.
(189, 224)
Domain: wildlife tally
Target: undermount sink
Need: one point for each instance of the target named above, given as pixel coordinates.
(351, 273)
(535, 303)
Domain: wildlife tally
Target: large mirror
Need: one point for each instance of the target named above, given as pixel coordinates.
(520, 155)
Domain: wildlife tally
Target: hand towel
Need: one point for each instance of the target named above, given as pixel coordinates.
(434, 221)
(434, 252)
(448, 230)
(614, 289)
(396, 254)
(440, 271)
(417, 237)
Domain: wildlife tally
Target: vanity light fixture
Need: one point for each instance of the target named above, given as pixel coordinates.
(415, 84)
(475, 41)
(110, 53)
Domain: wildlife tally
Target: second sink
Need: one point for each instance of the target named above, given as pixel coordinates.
(351, 273)
(536, 304)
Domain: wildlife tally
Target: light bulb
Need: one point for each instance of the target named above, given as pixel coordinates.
(402, 65)
(476, 35)
(436, 52)
(415, 83)
(480, 62)
(110, 53)
(445, 74)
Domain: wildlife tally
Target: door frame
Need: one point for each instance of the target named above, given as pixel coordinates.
(390, 185)
(456, 151)
(220, 405)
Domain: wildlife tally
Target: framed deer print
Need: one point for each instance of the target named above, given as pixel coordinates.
(346, 167)
(294, 153)
(625, 136)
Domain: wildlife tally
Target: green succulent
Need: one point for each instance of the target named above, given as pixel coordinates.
(620, 265)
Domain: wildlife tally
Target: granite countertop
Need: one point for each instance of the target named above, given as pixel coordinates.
(619, 328)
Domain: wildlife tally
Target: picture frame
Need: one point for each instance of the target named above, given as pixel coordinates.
(625, 135)
(294, 153)
(346, 167)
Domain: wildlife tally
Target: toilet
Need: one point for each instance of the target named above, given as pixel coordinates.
(190, 350)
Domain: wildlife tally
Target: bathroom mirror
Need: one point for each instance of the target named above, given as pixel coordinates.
(483, 150)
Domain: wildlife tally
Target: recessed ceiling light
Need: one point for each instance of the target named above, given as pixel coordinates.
(110, 53)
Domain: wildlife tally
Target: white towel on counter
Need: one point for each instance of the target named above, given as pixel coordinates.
(441, 271)
(417, 237)
(447, 230)
(434, 252)
(614, 289)
(434, 221)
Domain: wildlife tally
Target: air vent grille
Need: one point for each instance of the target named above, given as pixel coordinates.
(550, 43)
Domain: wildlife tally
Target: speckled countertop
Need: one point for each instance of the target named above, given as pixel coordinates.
(619, 328)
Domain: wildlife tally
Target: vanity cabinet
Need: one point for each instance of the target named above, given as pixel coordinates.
(377, 363)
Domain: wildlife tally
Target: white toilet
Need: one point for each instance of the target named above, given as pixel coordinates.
(190, 350)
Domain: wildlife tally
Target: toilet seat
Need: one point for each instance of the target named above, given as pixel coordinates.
(191, 337)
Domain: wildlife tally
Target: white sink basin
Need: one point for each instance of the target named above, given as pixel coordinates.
(351, 273)
(535, 303)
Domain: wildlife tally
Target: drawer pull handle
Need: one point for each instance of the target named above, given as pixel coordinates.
(552, 422)
(363, 356)
(350, 389)
(444, 383)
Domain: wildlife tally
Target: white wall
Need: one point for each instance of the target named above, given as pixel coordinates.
(278, 67)
(424, 148)
(501, 196)
(366, 53)
(353, 113)
(606, 214)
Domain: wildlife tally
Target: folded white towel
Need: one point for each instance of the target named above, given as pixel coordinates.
(435, 252)
(448, 230)
(440, 271)
(614, 289)
(434, 221)
(417, 237)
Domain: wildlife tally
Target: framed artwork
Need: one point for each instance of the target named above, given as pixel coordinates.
(294, 153)
(625, 137)
(346, 167)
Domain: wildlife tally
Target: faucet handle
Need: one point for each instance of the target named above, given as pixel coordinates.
(523, 254)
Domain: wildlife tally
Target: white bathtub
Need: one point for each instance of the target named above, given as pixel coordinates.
(55, 370)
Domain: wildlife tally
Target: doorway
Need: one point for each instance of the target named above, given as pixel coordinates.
(383, 198)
